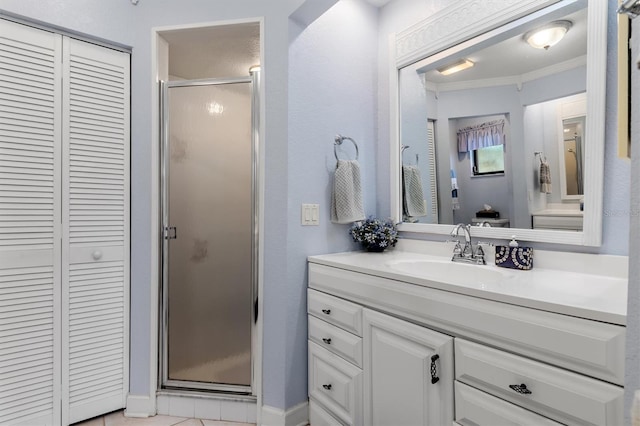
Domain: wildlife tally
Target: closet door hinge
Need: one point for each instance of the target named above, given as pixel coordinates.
(170, 233)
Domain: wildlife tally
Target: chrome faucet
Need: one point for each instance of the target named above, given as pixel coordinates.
(467, 253)
(467, 250)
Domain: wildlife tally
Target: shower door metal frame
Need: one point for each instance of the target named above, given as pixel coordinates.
(163, 366)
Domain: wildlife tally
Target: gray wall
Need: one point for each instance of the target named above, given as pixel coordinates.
(332, 80)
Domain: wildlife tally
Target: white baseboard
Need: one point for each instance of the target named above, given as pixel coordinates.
(140, 406)
(294, 416)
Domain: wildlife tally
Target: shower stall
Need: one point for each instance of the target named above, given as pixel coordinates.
(209, 233)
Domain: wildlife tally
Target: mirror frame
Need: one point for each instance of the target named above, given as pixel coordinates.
(468, 23)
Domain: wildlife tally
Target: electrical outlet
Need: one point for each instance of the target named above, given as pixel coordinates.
(310, 215)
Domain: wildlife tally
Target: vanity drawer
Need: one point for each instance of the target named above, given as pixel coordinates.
(564, 396)
(338, 341)
(336, 384)
(477, 408)
(336, 311)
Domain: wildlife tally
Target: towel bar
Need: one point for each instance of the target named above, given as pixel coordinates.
(338, 141)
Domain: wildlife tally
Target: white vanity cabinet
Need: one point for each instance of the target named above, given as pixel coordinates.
(391, 372)
(335, 360)
(513, 364)
(408, 373)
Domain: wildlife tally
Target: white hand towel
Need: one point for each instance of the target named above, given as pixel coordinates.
(346, 200)
(545, 178)
(413, 196)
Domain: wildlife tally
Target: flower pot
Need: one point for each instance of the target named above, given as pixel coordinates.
(375, 249)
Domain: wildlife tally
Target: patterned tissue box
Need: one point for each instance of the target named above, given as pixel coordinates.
(514, 257)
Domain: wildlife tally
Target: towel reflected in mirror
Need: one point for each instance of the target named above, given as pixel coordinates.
(412, 193)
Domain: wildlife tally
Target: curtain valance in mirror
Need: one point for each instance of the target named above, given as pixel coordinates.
(481, 136)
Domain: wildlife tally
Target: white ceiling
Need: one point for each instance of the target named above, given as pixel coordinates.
(514, 57)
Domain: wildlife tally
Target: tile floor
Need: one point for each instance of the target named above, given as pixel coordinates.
(117, 418)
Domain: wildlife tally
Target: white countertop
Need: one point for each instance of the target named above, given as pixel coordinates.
(597, 296)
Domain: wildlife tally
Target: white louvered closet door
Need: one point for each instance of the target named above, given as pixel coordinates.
(95, 252)
(29, 225)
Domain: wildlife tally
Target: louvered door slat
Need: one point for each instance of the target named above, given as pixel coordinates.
(99, 314)
(34, 373)
(30, 193)
(95, 218)
(433, 183)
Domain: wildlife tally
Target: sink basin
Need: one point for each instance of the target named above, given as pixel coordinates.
(450, 272)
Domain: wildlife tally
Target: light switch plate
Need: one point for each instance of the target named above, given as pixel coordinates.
(310, 215)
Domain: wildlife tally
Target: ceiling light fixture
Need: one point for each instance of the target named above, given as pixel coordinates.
(460, 65)
(547, 35)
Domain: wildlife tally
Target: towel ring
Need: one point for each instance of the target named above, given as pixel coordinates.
(338, 141)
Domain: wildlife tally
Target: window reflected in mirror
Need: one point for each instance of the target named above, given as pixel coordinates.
(488, 161)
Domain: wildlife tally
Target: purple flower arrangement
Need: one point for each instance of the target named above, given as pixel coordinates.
(375, 234)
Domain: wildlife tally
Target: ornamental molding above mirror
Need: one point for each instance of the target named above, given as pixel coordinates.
(457, 23)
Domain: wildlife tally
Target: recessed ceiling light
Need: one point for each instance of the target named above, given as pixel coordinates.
(547, 35)
(460, 65)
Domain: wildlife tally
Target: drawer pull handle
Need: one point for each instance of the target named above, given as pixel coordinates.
(327, 341)
(522, 389)
(326, 311)
(97, 255)
(434, 373)
(327, 387)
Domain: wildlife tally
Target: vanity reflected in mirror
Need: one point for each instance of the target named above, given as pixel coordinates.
(496, 130)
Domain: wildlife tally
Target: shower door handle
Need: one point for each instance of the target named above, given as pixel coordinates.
(170, 233)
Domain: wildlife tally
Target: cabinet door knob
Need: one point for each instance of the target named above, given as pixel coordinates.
(326, 340)
(97, 255)
(521, 389)
(434, 373)
(326, 311)
(327, 387)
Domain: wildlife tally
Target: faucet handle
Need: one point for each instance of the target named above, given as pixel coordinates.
(457, 249)
(478, 255)
(483, 249)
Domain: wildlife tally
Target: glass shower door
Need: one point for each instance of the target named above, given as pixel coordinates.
(209, 235)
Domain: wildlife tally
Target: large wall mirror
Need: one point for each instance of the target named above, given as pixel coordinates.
(499, 127)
